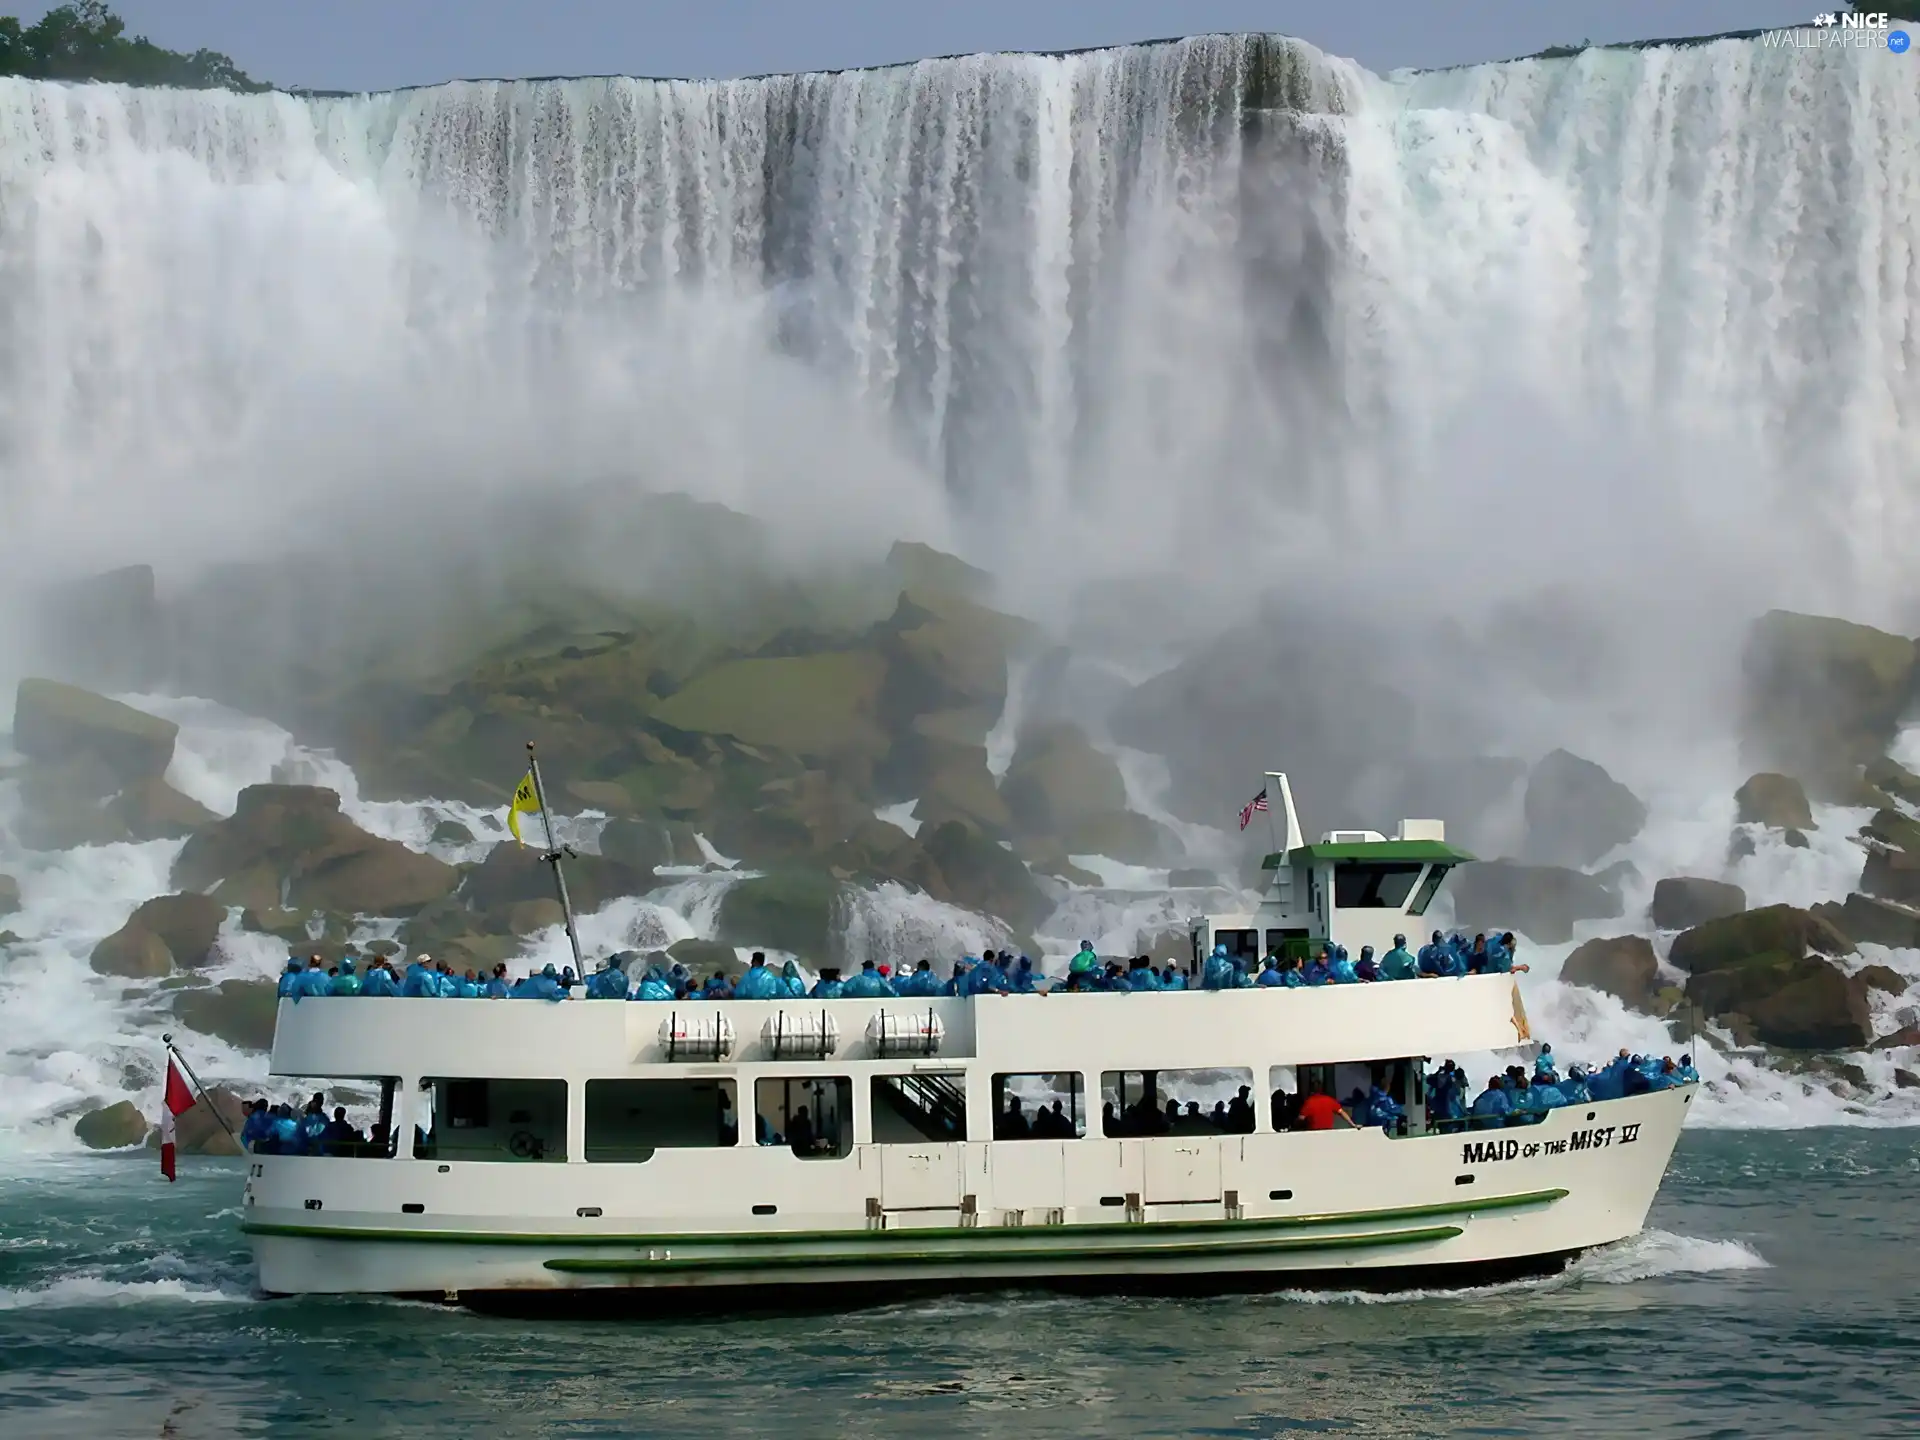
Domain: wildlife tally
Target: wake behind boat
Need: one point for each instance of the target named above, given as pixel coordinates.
(577, 1153)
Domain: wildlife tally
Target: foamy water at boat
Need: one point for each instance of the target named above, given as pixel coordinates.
(77, 1039)
(1771, 1293)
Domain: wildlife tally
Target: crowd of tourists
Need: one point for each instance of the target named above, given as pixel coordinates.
(991, 974)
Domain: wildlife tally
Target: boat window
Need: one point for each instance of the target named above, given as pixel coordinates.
(356, 1119)
(812, 1115)
(1242, 943)
(1379, 886)
(1176, 1102)
(914, 1108)
(1429, 888)
(1042, 1106)
(461, 1119)
(1277, 941)
(627, 1120)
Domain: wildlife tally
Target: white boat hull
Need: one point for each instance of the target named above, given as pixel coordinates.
(1348, 1208)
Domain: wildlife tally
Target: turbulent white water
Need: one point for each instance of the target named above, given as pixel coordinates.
(1650, 315)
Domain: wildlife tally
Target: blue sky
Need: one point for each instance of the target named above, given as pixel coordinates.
(380, 44)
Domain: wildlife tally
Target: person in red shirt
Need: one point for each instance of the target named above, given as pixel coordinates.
(1322, 1112)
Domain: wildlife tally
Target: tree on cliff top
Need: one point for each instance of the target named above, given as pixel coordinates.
(87, 41)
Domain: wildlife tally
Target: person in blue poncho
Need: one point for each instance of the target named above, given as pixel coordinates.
(1085, 962)
(921, 984)
(1365, 968)
(286, 1138)
(988, 977)
(1543, 1066)
(1270, 976)
(1454, 958)
(1319, 970)
(290, 977)
(259, 1125)
(609, 982)
(1397, 964)
(1384, 1111)
(957, 982)
(654, 985)
(496, 987)
(1341, 968)
(1173, 978)
(1433, 955)
(1635, 1080)
(869, 984)
(346, 982)
(420, 981)
(793, 981)
(1023, 979)
(1493, 1105)
(544, 986)
(314, 980)
(1524, 1108)
(717, 988)
(1573, 1089)
(1688, 1075)
(1666, 1077)
(379, 981)
(1546, 1096)
(1140, 975)
(1217, 973)
(759, 983)
(829, 986)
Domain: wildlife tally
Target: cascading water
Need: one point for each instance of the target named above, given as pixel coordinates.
(1159, 306)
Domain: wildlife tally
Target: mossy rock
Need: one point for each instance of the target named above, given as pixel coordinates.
(63, 807)
(1892, 875)
(1764, 935)
(1576, 812)
(513, 873)
(796, 910)
(1866, 920)
(703, 957)
(1058, 780)
(190, 924)
(293, 926)
(642, 844)
(921, 567)
(9, 895)
(112, 1127)
(450, 832)
(1823, 695)
(1623, 967)
(1803, 1003)
(1893, 779)
(528, 916)
(1883, 978)
(1779, 801)
(1124, 836)
(151, 809)
(199, 1132)
(1683, 901)
(977, 872)
(54, 722)
(816, 705)
(240, 1012)
(133, 953)
(957, 785)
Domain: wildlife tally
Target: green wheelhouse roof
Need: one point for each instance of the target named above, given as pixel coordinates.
(1425, 852)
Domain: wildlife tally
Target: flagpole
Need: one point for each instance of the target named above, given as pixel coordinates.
(167, 1040)
(552, 857)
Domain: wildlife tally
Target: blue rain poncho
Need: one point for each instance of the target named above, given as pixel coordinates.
(824, 989)
(654, 985)
(759, 983)
(1573, 1089)
(1085, 961)
(544, 986)
(1433, 956)
(1543, 1062)
(1318, 972)
(1218, 973)
(1174, 979)
(421, 982)
(286, 1135)
(259, 1125)
(1493, 1104)
(607, 983)
(1022, 979)
(921, 984)
(346, 982)
(1342, 969)
(793, 981)
(869, 984)
(1142, 977)
(1270, 974)
(1293, 977)
(958, 981)
(987, 978)
(1547, 1097)
(380, 982)
(1499, 958)
(290, 979)
(496, 988)
(315, 982)
(1397, 964)
(1688, 1075)
(1383, 1110)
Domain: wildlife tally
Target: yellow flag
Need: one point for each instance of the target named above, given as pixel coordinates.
(524, 801)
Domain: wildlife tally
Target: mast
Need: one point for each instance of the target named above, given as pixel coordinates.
(552, 857)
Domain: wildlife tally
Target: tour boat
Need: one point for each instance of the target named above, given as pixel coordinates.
(657, 1155)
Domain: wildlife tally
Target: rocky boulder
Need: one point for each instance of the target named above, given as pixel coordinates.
(820, 705)
(151, 809)
(1892, 875)
(1623, 967)
(1893, 780)
(240, 1012)
(132, 952)
(640, 844)
(9, 895)
(1868, 921)
(1884, 978)
(514, 874)
(1771, 931)
(977, 872)
(1774, 800)
(1058, 779)
(112, 1127)
(1576, 812)
(1541, 902)
(796, 910)
(189, 924)
(1684, 901)
(1823, 696)
(1802, 1004)
(702, 958)
(58, 724)
(293, 837)
(199, 1132)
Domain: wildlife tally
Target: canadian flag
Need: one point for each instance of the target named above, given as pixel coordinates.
(178, 1100)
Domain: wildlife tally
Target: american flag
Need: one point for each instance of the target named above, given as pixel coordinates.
(1259, 802)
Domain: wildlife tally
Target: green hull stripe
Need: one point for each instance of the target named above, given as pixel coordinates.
(1130, 1253)
(1012, 1236)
